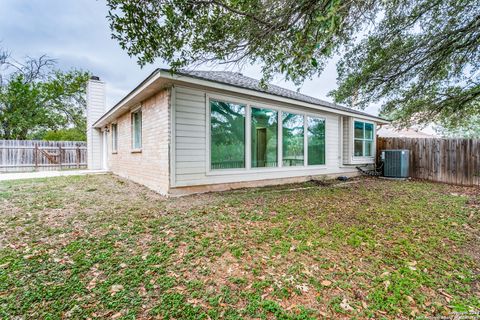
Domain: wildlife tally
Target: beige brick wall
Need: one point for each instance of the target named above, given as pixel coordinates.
(150, 166)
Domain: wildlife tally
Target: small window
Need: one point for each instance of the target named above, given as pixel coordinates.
(137, 129)
(363, 139)
(316, 140)
(114, 137)
(227, 135)
(293, 139)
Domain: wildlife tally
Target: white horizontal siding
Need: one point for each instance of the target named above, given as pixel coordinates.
(190, 95)
(199, 159)
(347, 146)
(191, 154)
(188, 134)
(191, 170)
(191, 146)
(182, 151)
(188, 165)
(190, 115)
(189, 140)
(192, 128)
(189, 107)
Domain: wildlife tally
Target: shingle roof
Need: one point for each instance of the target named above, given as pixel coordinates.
(239, 80)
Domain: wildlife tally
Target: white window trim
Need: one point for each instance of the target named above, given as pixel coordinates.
(132, 131)
(374, 140)
(255, 104)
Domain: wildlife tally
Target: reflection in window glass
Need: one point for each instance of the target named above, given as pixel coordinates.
(316, 140)
(114, 137)
(369, 131)
(293, 130)
(358, 148)
(368, 148)
(264, 138)
(137, 129)
(358, 130)
(227, 130)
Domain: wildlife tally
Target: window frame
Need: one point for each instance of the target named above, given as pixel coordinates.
(373, 140)
(114, 137)
(250, 103)
(132, 129)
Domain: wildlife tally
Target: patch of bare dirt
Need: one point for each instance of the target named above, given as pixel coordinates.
(216, 272)
(10, 211)
(472, 191)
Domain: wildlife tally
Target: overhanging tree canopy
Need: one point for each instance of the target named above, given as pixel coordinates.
(420, 59)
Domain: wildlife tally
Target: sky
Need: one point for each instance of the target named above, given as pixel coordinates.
(76, 33)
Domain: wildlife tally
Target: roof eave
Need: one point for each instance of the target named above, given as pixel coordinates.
(230, 87)
(162, 74)
(127, 100)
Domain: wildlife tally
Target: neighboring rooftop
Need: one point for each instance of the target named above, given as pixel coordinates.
(389, 131)
(239, 80)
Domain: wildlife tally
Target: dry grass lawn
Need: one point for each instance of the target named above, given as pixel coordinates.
(103, 247)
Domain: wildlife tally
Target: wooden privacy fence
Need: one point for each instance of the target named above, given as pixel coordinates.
(29, 155)
(454, 161)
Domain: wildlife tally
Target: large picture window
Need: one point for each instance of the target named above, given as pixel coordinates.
(137, 130)
(316, 140)
(264, 134)
(274, 138)
(363, 139)
(227, 130)
(292, 140)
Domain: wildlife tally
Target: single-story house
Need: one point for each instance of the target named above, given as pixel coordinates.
(197, 131)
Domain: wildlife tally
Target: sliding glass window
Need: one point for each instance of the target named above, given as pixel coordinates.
(264, 137)
(293, 140)
(227, 130)
(316, 140)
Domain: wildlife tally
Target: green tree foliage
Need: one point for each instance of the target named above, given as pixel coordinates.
(422, 60)
(35, 98)
(293, 37)
(470, 129)
(71, 134)
(419, 59)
